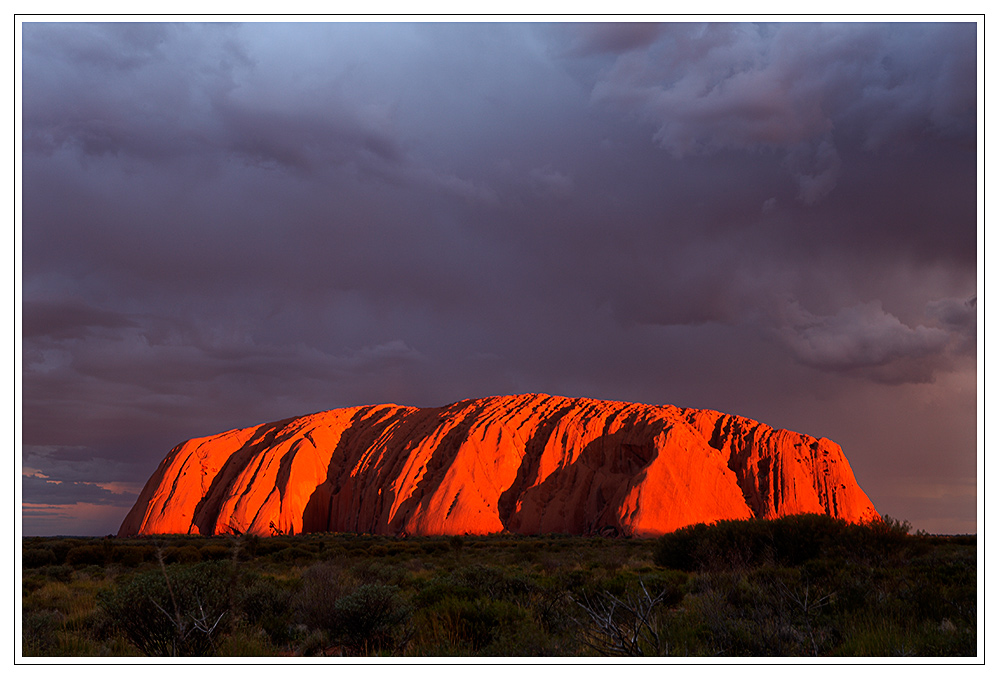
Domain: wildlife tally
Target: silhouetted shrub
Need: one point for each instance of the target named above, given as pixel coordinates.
(436, 547)
(85, 555)
(803, 537)
(36, 558)
(266, 546)
(292, 555)
(132, 555)
(214, 552)
(678, 550)
(61, 548)
(787, 541)
(885, 541)
(182, 554)
(380, 571)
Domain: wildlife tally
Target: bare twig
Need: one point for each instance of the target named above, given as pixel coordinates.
(623, 627)
(183, 630)
(807, 605)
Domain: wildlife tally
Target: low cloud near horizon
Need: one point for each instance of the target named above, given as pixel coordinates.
(227, 224)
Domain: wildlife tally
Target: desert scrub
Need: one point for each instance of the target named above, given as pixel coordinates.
(215, 552)
(178, 610)
(629, 624)
(371, 618)
(918, 595)
(61, 617)
(264, 603)
(314, 603)
(37, 557)
(493, 582)
(247, 642)
(181, 554)
(40, 628)
(86, 555)
(787, 541)
(880, 636)
(336, 610)
(460, 626)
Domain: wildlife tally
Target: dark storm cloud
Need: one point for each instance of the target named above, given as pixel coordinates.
(865, 340)
(118, 46)
(796, 88)
(960, 317)
(122, 89)
(65, 319)
(232, 224)
(302, 141)
(141, 94)
(600, 38)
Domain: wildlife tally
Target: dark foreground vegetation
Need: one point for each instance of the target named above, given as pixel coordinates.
(799, 586)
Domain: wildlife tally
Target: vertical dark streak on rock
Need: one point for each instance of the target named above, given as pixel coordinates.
(206, 512)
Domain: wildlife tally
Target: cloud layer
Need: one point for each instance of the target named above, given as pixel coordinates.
(231, 224)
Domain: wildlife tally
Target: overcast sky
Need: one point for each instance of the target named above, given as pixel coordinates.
(225, 225)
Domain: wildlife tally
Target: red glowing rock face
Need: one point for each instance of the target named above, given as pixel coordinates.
(523, 464)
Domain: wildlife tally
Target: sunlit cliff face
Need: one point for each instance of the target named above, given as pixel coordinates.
(524, 464)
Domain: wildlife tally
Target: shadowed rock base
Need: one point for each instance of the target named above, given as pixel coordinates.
(524, 464)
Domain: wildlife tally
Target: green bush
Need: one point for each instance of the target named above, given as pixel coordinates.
(314, 605)
(491, 582)
(456, 626)
(380, 571)
(370, 617)
(440, 588)
(179, 610)
(265, 602)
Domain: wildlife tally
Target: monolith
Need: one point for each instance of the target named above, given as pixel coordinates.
(523, 464)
